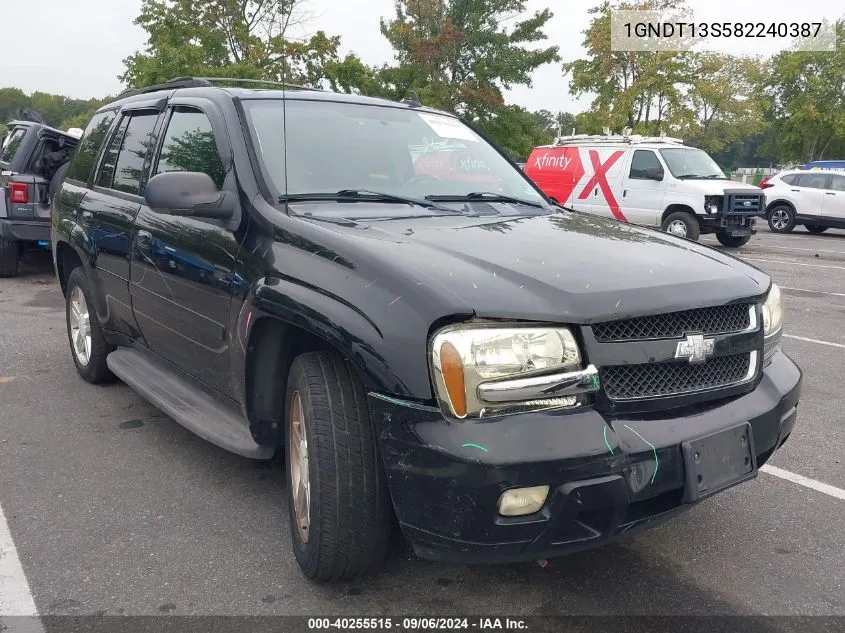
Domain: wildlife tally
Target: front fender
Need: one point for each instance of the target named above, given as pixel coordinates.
(389, 352)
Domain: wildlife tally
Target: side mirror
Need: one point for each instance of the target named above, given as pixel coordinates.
(654, 173)
(189, 193)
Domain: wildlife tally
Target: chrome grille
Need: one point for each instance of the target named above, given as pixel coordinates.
(652, 380)
(712, 320)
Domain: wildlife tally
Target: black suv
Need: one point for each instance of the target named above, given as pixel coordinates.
(377, 291)
(33, 160)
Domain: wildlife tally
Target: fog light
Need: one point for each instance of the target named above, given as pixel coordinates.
(521, 501)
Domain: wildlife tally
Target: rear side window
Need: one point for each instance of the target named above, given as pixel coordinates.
(643, 161)
(133, 152)
(812, 181)
(89, 146)
(838, 183)
(790, 179)
(189, 145)
(11, 144)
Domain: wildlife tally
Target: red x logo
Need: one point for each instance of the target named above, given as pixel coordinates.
(600, 178)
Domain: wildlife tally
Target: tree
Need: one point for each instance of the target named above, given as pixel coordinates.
(247, 39)
(633, 89)
(808, 101)
(459, 55)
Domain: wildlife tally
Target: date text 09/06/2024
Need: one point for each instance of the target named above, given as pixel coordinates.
(417, 624)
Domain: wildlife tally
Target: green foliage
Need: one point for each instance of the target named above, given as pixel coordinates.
(58, 111)
(459, 55)
(808, 102)
(246, 39)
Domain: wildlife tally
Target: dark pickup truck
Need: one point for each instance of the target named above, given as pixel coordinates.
(280, 272)
(33, 159)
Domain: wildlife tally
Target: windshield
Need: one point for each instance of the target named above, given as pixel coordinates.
(688, 162)
(333, 147)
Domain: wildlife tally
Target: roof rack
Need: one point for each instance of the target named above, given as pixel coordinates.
(631, 139)
(206, 82)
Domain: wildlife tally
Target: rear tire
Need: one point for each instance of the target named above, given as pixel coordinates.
(781, 219)
(82, 324)
(9, 257)
(815, 228)
(682, 224)
(338, 501)
(730, 241)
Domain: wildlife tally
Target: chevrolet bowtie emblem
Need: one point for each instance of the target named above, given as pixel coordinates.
(695, 348)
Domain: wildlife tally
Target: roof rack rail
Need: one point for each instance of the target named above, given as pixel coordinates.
(206, 82)
(210, 81)
(631, 139)
(171, 84)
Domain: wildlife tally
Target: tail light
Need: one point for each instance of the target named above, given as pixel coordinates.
(765, 184)
(18, 192)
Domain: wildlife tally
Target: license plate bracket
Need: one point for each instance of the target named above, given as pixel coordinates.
(718, 461)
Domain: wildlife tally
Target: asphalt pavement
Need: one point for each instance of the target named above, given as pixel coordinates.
(116, 509)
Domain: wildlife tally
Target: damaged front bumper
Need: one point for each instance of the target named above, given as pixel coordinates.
(608, 476)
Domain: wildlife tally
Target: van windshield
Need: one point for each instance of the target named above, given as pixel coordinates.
(692, 163)
(397, 152)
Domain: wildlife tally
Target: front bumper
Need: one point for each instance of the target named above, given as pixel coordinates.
(25, 230)
(609, 476)
(733, 225)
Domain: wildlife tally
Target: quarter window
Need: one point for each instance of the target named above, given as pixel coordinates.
(11, 144)
(790, 179)
(189, 145)
(110, 157)
(89, 146)
(643, 161)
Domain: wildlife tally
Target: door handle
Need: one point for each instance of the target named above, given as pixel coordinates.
(829, 193)
(624, 193)
(144, 239)
(796, 190)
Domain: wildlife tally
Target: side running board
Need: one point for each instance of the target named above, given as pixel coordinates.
(175, 395)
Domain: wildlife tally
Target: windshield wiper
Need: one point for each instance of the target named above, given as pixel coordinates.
(487, 196)
(363, 195)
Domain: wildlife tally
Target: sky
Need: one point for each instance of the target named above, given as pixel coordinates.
(82, 43)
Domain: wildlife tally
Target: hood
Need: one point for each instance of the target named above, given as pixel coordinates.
(562, 267)
(714, 187)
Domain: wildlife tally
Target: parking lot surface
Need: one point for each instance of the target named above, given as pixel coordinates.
(113, 508)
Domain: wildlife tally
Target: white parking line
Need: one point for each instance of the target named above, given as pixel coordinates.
(814, 340)
(815, 292)
(15, 596)
(783, 248)
(775, 261)
(804, 481)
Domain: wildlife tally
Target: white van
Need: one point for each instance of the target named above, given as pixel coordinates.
(651, 181)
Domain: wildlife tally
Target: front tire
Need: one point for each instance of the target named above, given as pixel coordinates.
(781, 219)
(337, 493)
(682, 224)
(88, 346)
(815, 228)
(730, 241)
(9, 257)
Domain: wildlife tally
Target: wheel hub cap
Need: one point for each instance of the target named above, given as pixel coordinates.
(780, 219)
(678, 228)
(299, 474)
(80, 326)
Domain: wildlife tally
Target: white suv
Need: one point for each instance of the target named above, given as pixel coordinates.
(814, 198)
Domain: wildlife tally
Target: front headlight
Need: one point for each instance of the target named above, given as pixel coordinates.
(465, 357)
(773, 312)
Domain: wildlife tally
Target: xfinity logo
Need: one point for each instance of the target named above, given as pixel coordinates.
(547, 160)
(695, 348)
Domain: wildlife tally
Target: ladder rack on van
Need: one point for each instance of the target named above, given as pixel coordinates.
(599, 139)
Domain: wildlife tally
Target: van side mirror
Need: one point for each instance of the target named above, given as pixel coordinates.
(654, 173)
(189, 193)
